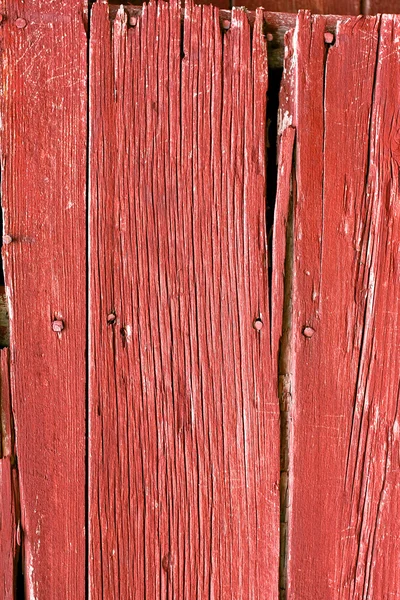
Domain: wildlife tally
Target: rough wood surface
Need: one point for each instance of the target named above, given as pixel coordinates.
(344, 366)
(184, 459)
(43, 142)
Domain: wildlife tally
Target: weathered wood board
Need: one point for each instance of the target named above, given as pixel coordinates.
(184, 415)
(43, 146)
(343, 357)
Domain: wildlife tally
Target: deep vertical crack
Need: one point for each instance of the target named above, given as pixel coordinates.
(285, 395)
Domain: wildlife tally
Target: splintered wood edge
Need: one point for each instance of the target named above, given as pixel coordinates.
(276, 24)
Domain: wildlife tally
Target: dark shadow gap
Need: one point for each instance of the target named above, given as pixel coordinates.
(274, 85)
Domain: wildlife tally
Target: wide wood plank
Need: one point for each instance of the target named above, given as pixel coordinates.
(343, 361)
(43, 143)
(184, 417)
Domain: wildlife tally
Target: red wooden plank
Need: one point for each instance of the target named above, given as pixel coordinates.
(9, 501)
(43, 196)
(343, 498)
(184, 460)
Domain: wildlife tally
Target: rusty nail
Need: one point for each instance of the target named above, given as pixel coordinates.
(226, 24)
(328, 37)
(58, 325)
(7, 239)
(133, 21)
(270, 37)
(258, 324)
(111, 318)
(20, 23)
(308, 332)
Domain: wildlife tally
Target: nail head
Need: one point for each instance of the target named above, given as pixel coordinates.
(226, 23)
(132, 21)
(20, 23)
(270, 37)
(7, 239)
(308, 332)
(258, 324)
(58, 325)
(111, 318)
(328, 37)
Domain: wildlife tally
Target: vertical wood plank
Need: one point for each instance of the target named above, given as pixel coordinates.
(43, 150)
(9, 501)
(184, 460)
(343, 499)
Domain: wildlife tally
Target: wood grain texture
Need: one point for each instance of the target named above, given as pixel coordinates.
(9, 497)
(344, 368)
(43, 146)
(184, 416)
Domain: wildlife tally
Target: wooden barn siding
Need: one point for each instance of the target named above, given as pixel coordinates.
(183, 392)
(43, 146)
(184, 421)
(343, 357)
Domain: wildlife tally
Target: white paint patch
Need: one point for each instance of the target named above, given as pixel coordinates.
(284, 121)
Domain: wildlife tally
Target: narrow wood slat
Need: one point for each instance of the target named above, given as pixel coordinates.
(184, 459)
(8, 531)
(344, 366)
(43, 195)
(9, 501)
